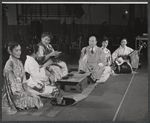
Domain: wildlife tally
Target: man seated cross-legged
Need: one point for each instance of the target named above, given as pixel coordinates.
(93, 60)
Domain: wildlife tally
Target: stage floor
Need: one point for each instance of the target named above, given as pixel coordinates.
(121, 98)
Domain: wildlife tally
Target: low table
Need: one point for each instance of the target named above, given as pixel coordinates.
(76, 83)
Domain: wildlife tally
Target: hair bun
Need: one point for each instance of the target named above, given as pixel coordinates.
(29, 49)
(6, 45)
(105, 38)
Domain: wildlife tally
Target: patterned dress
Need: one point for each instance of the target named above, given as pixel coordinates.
(107, 55)
(14, 95)
(58, 69)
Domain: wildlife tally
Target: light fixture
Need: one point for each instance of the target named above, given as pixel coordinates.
(126, 12)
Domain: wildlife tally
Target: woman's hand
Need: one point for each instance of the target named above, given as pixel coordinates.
(49, 62)
(55, 53)
(58, 53)
(101, 64)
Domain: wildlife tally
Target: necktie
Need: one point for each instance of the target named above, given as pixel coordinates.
(92, 51)
(48, 47)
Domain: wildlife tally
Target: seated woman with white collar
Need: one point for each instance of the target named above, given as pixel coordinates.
(121, 57)
(39, 79)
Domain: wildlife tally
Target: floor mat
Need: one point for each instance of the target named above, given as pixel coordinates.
(47, 110)
(52, 111)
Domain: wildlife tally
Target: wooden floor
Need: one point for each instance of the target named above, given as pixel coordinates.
(121, 98)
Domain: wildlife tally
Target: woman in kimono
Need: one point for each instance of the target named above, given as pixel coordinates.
(46, 52)
(121, 54)
(106, 51)
(107, 55)
(93, 60)
(39, 79)
(16, 95)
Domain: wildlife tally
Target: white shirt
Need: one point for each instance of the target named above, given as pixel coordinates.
(94, 48)
(37, 74)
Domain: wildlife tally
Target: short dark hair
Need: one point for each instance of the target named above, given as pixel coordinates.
(11, 45)
(105, 39)
(48, 34)
(124, 39)
(32, 49)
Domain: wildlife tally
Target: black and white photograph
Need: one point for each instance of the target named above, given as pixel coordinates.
(74, 61)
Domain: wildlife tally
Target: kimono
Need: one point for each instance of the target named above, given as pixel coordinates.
(121, 52)
(14, 96)
(93, 63)
(38, 76)
(121, 55)
(107, 55)
(60, 70)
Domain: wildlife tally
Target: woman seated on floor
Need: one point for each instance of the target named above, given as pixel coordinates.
(16, 95)
(121, 58)
(47, 53)
(93, 60)
(40, 80)
(107, 54)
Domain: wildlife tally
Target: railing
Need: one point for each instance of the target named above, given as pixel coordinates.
(38, 11)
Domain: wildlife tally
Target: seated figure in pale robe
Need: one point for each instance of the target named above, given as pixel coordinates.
(47, 53)
(122, 54)
(93, 60)
(38, 75)
(39, 78)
